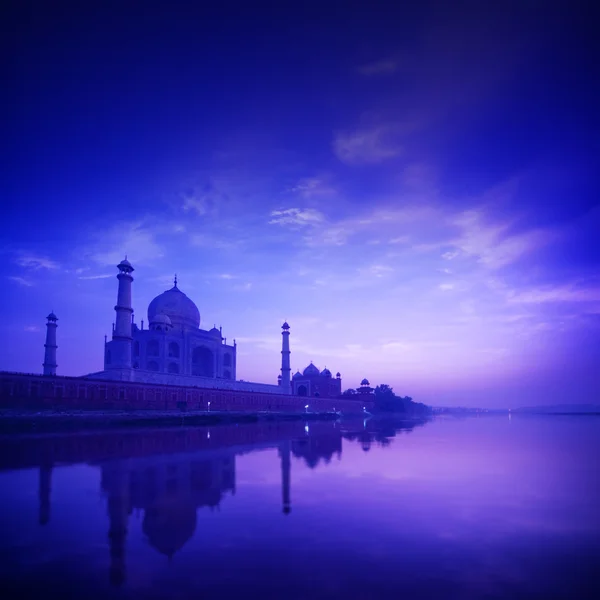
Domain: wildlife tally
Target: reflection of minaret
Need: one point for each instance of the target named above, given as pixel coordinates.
(284, 453)
(118, 510)
(44, 493)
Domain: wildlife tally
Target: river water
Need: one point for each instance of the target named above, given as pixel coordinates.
(486, 507)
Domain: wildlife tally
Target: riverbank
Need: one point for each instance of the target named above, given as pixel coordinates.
(13, 421)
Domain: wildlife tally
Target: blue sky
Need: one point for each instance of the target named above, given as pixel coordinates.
(415, 191)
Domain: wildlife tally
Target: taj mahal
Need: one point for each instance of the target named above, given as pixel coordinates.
(174, 350)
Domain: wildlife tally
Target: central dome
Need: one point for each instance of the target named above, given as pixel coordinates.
(177, 306)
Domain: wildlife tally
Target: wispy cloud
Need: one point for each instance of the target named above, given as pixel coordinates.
(311, 187)
(135, 240)
(104, 276)
(21, 280)
(193, 204)
(402, 239)
(367, 146)
(491, 243)
(31, 328)
(296, 217)
(564, 293)
(380, 67)
(380, 270)
(450, 255)
(35, 263)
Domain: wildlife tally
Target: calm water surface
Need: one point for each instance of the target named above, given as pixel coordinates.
(474, 508)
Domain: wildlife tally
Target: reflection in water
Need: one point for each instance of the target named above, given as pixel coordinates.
(463, 508)
(169, 488)
(44, 493)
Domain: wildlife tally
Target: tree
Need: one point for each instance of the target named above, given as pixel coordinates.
(349, 392)
(386, 400)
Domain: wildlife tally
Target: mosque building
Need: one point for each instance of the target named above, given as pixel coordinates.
(313, 382)
(173, 350)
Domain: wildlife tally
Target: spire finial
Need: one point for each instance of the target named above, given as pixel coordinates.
(126, 257)
(175, 280)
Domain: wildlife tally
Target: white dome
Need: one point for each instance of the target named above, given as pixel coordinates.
(177, 307)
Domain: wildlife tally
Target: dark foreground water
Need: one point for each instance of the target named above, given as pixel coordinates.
(474, 508)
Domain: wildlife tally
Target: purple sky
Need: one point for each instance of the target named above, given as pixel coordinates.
(416, 192)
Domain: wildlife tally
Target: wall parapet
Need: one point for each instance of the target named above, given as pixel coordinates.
(30, 391)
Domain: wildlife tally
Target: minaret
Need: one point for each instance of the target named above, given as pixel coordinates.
(285, 359)
(50, 345)
(284, 453)
(122, 340)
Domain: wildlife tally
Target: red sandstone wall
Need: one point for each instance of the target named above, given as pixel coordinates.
(24, 391)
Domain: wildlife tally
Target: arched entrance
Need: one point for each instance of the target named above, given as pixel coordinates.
(203, 362)
(302, 390)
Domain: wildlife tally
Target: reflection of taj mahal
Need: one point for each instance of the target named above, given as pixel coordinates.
(169, 490)
(166, 491)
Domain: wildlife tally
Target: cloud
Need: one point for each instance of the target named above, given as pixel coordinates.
(310, 187)
(380, 67)
(402, 239)
(296, 217)
(382, 222)
(208, 240)
(565, 293)
(490, 243)
(105, 276)
(380, 270)
(202, 197)
(196, 205)
(36, 263)
(244, 287)
(329, 236)
(450, 255)
(446, 286)
(21, 280)
(511, 249)
(367, 146)
(135, 240)
(226, 276)
(31, 328)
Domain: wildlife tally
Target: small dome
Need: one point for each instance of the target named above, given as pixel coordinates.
(297, 375)
(177, 306)
(160, 319)
(365, 382)
(311, 370)
(326, 372)
(52, 317)
(285, 326)
(338, 375)
(125, 265)
(216, 332)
